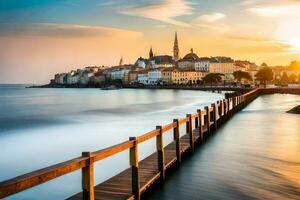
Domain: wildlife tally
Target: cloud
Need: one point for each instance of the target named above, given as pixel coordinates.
(248, 38)
(220, 28)
(64, 30)
(259, 43)
(275, 8)
(211, 22)
(167, 11)
(249, 2)
(274, 11)
(213, 17)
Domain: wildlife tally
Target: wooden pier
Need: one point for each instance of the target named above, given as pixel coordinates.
(142, 174)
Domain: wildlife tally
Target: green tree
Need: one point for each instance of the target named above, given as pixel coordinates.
(212, 78)
(239, 75)
(264, 75)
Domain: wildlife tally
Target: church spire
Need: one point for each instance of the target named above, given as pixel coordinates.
(121, 61)
(151, 53)
(176, 48)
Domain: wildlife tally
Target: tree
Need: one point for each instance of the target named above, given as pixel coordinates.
(213, 78)
(292, 78)
(264, 75)
(284, 78)
(295, 65)
(239, 75)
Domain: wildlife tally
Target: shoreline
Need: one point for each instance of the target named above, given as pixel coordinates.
(181, 87)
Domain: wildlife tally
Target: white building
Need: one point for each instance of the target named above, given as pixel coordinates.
(202, 64)
(141, 62)
(119, 74)
(142, 77)
(60, 78)
(72, 78)
(85, 78)
(154, 77)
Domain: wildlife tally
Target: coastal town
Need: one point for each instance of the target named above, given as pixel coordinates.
(190, 69)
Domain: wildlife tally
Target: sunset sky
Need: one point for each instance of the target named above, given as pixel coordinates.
(39, 38)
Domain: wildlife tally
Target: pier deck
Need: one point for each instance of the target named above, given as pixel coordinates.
(119, 186)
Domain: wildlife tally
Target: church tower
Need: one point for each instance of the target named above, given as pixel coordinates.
(121, 61)
(151, 54)
(176, 48)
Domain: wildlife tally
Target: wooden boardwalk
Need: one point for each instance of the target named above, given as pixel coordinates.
(119, 186)
(142, 174)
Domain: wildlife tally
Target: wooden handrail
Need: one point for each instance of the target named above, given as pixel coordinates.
(38, 177)
(196, 115)
(147, 136)
(110, 151)
(168, 127)
(183, 121)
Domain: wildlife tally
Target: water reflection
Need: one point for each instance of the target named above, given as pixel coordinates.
(41, 127)
(256, 155)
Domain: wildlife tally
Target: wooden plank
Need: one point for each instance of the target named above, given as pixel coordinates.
(118, 187)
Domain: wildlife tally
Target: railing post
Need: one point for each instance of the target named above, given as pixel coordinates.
(88, 178)
(223, 111)
(207, 119)
(235, 105)
(215, 115)
(229, 107)
(134, 163)
(196, 122)
(241, 102)
(200, 125)
(160, 153)
(218, 106)
(177, 141)
(190, 131)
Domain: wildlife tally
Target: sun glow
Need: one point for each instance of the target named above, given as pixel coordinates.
(289, 33)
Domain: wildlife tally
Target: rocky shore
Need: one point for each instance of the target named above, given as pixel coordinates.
(295, 110)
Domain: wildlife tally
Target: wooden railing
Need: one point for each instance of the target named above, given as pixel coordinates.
(210, 118)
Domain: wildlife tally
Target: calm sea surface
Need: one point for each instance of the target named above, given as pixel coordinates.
(256, 155)
(41, 127)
